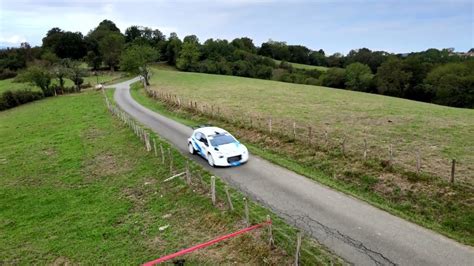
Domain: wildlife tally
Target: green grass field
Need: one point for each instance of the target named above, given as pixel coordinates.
(9, 84)
(438, 132)
(76, 186)
(303, 66)
(104, 78)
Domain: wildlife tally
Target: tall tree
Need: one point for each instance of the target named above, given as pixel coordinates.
(392, 79)
(367, 57)
(94, 39)
(61, 71)
(317, 58)
(173, 47)
(188, 56)
(132, 33)
(136, 60)
(245, 44)
(65, 44)
(111, 47)
(191, 39)
(77, 74)
(39, 76)
(335, 77)
(299, 54)
(453, 84)
(358, 77)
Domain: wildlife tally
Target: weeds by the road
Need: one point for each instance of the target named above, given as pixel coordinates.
(430, 201)
(200, 183)
(78, 187)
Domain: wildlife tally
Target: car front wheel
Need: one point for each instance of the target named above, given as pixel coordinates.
(191, 148)
(210, 160)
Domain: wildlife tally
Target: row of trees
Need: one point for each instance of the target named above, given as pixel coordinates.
(433, 76)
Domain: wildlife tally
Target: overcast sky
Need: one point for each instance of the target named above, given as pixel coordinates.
(335, 26)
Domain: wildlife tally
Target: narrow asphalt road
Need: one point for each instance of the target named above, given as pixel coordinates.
(353, 229)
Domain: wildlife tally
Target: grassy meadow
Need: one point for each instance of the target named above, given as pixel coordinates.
(77, 187)
(103, 77)
(303, 66)
(439, 133)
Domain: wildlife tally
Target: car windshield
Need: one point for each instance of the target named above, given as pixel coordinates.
(222, 140)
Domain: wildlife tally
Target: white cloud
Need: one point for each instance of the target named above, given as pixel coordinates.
(12, 39)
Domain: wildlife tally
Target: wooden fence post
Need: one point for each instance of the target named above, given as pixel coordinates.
(294, 130)
(188, 174)
(171, 160)
(154, 148)
(453, 168)
(390, 153)
(365, 149)
(246, 209)
(270, 125)
(418, 162)
(326, 138)
(271, 242)
(298, 247)
(147, 142)
(310, 135)
(213, 190)
(162, 154)
(229, 200)
(343, 146)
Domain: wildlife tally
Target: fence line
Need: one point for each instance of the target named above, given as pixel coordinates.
(322, 137)
(188, 172)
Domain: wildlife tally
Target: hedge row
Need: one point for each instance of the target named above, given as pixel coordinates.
(10, 99)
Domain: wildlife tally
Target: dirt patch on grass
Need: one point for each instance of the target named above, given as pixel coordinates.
(104, 164)
(49, 151)
(93, 133)
(62, 261)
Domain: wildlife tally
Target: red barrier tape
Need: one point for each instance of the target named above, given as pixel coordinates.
(203, 245)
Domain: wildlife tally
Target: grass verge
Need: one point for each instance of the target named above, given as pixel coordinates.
(77, 187)
(284, 234)
(436, 204)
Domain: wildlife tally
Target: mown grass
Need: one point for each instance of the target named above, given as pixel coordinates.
(439, 133)
(76, 186)
(303, 66)
(421, 198)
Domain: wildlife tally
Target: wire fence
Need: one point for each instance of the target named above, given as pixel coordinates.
(232, 201)
(362, 146)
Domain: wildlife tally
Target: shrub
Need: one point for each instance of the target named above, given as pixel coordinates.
(10, 99)
(264, 72)
(313, 81)
(7, 73)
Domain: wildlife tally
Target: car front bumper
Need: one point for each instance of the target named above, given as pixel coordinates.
(224, 161)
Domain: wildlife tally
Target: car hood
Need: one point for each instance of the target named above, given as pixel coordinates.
(231, 148)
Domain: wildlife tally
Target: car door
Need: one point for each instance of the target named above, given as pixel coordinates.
(201, 143)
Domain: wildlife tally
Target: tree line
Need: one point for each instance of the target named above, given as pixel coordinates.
(437, 76)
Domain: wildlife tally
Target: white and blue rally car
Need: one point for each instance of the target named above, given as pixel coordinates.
(217, 146)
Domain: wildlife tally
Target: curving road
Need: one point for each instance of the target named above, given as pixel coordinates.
(353, 229)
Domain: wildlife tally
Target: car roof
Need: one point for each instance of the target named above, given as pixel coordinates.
(210, 131)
